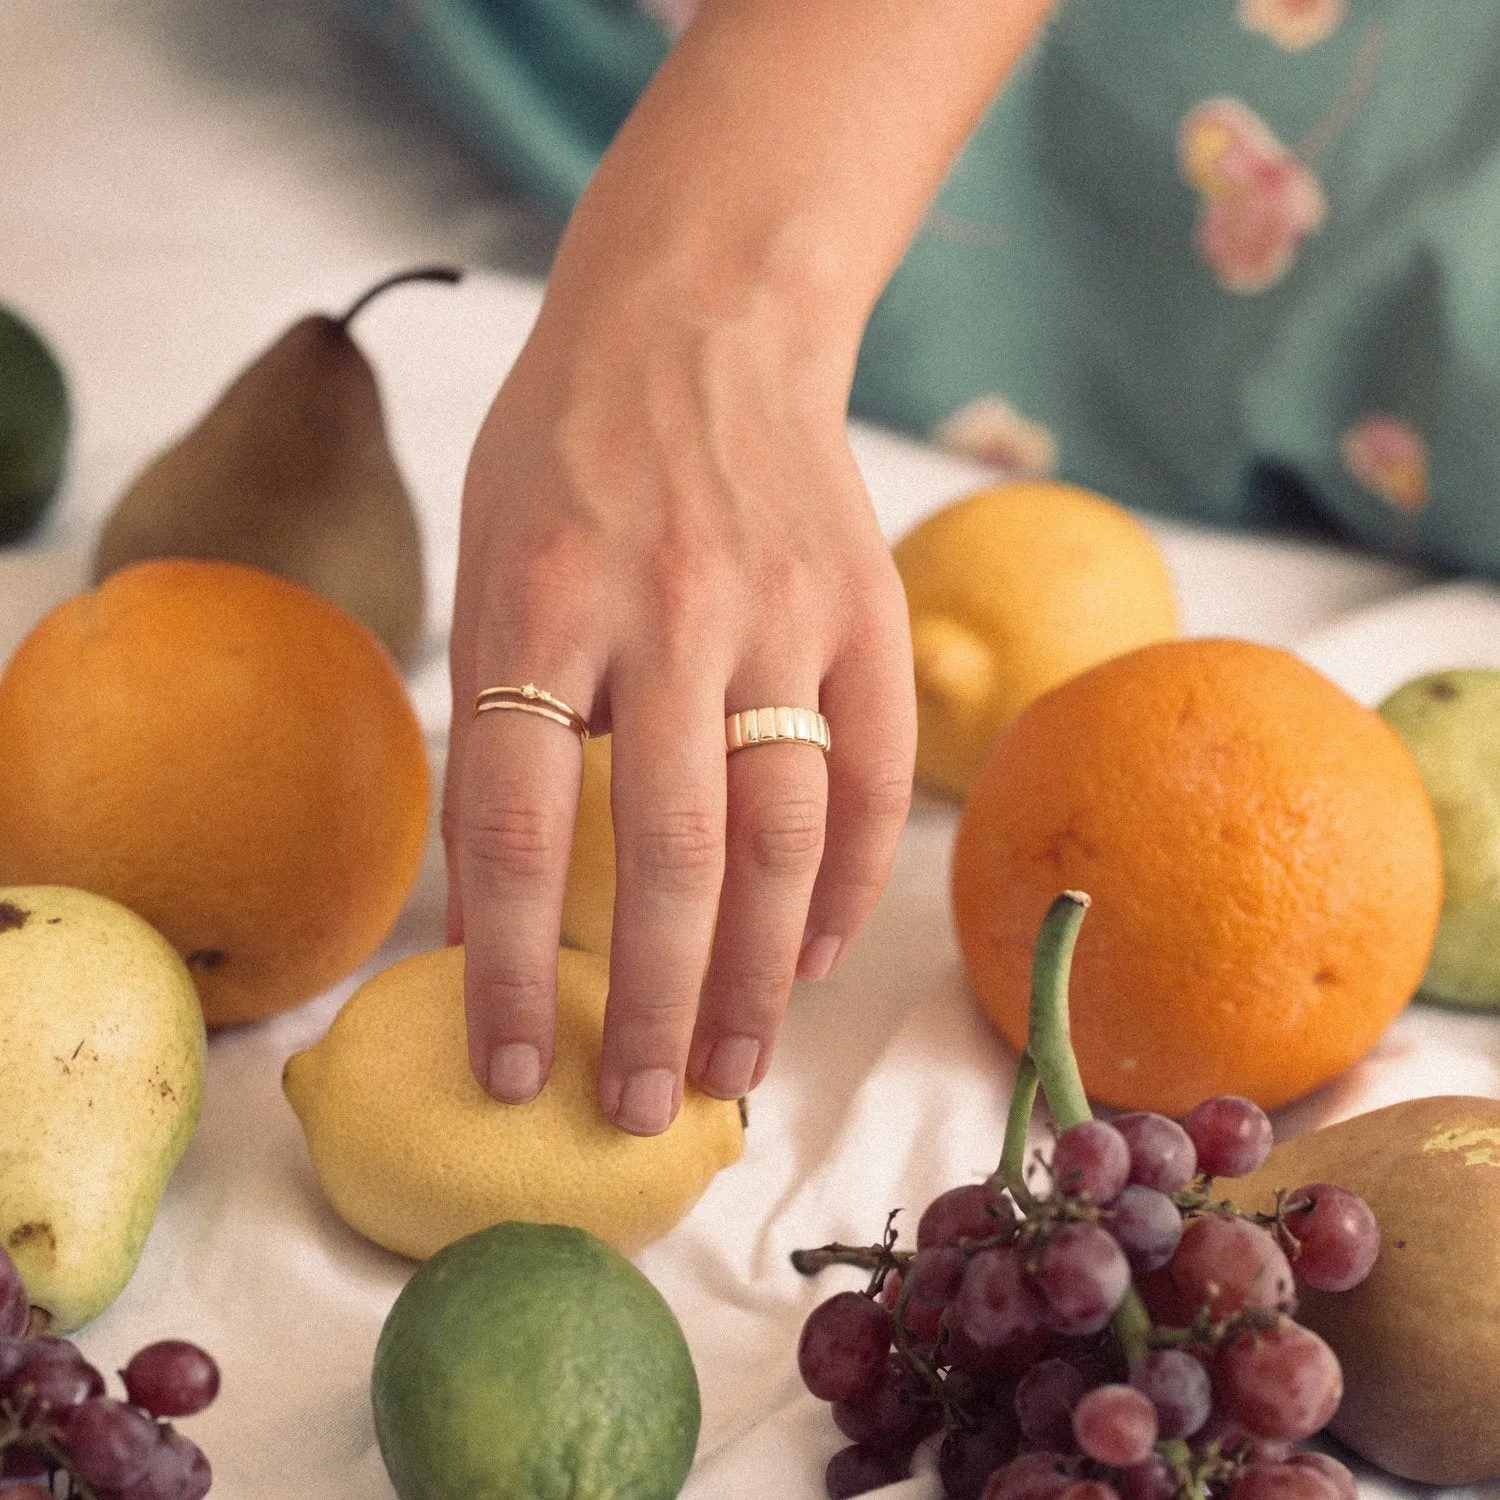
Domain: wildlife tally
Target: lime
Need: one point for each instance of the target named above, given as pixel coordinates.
(1451, 724)
(34, 422)
(533, 1362)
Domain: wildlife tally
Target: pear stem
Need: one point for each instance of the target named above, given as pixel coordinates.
(449, 274)
(1048, 1061)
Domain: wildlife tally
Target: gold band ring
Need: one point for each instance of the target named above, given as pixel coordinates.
(764, 726)
(530, 699)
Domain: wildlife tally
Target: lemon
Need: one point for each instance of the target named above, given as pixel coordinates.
(589, 899)
(414, 1154)
(532, 1362)
(1012, 590)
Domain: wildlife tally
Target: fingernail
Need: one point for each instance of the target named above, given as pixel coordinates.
(731, 1066)
(515, 1074)
(645, 1106)
(819, 954)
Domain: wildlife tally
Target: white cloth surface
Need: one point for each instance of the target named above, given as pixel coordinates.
(180, 179)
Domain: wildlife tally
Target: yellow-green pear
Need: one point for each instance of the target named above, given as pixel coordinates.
(101, 1079)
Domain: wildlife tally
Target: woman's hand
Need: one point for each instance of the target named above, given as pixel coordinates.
(663, 525)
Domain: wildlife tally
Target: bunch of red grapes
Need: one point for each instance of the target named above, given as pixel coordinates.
(55, 1419)
(1123, 1335)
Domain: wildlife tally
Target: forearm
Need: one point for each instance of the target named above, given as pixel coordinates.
(784, 156)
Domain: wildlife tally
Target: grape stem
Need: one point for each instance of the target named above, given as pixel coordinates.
(1048, 1061)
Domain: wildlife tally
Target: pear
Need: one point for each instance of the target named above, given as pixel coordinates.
(1419, 1338)
(34, 425)
(291, 471)
(1451, 724)
(101, 1074)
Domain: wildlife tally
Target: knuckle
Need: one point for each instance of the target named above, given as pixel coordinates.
(679, 851)
(879, 793)
(785, 838)
(516, 990)
(510, 838)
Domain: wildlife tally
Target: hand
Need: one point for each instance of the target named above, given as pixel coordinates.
(663, 524)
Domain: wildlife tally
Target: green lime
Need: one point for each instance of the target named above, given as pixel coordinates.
(533, 1362)
(34, 423)
(1451, 724)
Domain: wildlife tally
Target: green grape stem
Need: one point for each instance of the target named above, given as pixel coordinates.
(1048, 1062)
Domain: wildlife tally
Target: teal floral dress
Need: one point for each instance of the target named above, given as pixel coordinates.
(1236, 260)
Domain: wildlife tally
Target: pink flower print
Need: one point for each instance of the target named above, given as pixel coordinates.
(1293, 24)
(1259, 200)
(673, 14)
(1388, 457)
(994, 432)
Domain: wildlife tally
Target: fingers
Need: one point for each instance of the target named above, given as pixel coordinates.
(777, 799)
(510, 801)
(668, 799)
(870, 704)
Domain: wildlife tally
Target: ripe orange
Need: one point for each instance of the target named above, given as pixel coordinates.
(1262, 859)
(229, 755)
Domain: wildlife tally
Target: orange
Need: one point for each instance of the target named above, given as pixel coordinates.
(1262, 860)
(1012, 590)
(229, 755)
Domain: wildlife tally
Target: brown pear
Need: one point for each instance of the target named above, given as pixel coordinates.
(291, 471)
(1419, 1338)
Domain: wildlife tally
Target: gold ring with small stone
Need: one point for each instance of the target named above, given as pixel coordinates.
(530, 699)
(765, 726)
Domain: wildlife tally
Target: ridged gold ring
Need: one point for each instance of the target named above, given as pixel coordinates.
(764, 726)
(530, 699)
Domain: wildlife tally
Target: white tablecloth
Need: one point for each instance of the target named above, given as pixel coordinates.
(178, 180)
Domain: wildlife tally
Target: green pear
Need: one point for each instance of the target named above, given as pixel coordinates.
(101, 1073)
(34, 424)
(1451, 723)
(291, 471)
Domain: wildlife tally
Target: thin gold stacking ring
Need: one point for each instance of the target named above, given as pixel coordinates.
(530, 699)
(764, 726)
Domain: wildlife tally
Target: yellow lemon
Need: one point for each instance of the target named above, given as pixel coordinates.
(589, 901)
(1012, 590)
(414, 1155)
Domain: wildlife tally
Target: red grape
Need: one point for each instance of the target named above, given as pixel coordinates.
(967, 1459)
(1331, 1469)
(109, 1442)
(1083, 1275)
(1029, 1476)
(172, 1378)
(1146, 1225)
(1282, 1482)
(843, 1346)
(1162, 1154)
(996, 1304)
(28, 1491)
(1231, 1135)
(15, 1309)
(1045, 1397)
(1228, 1264)
(1337, 1236)
(972, 1212)
(1090, 1160)
(1178, 1386)
(176, 1470)
(1115, 1424)
(856, 1470)
(54, 1377)
(921, 1320)
(1089, 1489)
(1280, 1382)
(899, 1410)
(1151, 1479)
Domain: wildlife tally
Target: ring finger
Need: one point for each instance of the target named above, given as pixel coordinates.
(777, 797)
